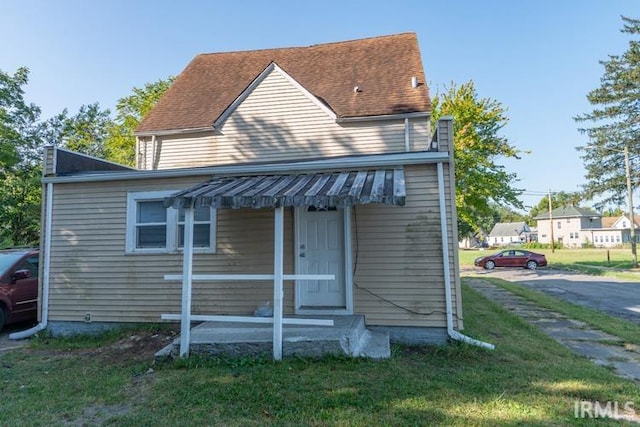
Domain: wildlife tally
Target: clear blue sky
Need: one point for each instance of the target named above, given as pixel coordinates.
(538, 58)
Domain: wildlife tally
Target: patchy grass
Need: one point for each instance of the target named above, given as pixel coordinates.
(529, 379)
(628, 331)
(600, 262)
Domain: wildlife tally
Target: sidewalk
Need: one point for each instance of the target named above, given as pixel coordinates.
(579, 337)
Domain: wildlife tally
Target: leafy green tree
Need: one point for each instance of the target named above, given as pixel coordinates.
(120, 143)
(19, 130)
(506, 214)
(480, 182)
(20, 196)
(20, 142)
(614, 123)
(85, 132)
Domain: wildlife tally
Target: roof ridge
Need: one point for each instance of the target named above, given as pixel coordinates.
(307, 46)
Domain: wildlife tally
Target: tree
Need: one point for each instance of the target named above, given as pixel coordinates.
(480, 181)
(18, 121)
(20, 196)
(20, 142)
(615, 124)
(120, 142)
(87, 131)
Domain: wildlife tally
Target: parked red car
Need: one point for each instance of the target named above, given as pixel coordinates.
(512, 258)
(18, 285)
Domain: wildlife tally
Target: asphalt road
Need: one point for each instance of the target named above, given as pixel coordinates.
(620, 298)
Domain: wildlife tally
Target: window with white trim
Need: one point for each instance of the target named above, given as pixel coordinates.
(154, 228)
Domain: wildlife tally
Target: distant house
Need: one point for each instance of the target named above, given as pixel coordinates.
(615, 231)
(508, 233)
(571, 226)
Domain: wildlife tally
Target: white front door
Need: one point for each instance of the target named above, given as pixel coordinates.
(321, 251)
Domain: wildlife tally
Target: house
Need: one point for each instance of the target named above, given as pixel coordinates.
(509, 233)
(306, 177)
(615, 232)
(569, 226)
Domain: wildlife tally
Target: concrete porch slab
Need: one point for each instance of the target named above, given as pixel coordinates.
(348, 336)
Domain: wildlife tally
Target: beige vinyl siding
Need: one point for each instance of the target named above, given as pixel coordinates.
(398, 257)
(90, 272)
(276, 122)
(419, 134)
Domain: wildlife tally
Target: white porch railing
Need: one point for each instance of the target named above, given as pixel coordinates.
(277, 320)
(278, 277)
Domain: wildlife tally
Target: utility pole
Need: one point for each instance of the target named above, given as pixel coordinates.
(632, 230)
(553, 249)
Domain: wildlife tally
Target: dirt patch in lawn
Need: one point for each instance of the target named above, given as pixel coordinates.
(138, 346)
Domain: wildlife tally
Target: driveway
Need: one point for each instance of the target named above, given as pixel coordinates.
(620, 298)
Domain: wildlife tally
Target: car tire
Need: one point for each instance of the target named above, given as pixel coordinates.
(532, 265)
(489, 265)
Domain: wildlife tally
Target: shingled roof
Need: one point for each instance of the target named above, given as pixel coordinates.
(381, 67)
(569, 212)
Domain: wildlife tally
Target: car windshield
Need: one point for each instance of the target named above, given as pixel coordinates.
(7, 259)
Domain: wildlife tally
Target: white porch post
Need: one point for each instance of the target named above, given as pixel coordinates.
(187, 276)
(278, 278)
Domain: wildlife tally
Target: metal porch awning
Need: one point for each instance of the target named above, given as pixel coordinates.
(322, 189)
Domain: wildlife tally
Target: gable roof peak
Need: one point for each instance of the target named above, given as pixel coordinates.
(382, 66)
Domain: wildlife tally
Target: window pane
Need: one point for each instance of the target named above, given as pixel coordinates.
(151, 212)
(200, 214)
(201, 236)
(151, 236)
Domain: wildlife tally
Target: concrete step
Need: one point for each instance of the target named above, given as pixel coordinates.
(348, 336)
(373, 345)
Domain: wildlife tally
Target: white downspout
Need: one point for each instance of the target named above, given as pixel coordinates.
(45, 271)
(453, 334)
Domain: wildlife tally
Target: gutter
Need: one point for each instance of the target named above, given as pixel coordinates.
(415, 115)
(45, 273)
(453, 334)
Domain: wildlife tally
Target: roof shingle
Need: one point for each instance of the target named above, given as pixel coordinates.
(382, 67)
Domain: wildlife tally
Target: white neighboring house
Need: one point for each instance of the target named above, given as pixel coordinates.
(508, 233)
(572, 226)
(615, 231)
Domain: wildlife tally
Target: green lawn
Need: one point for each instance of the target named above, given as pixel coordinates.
(606, 262)
(528, 380)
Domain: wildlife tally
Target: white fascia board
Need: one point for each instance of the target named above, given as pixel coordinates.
(384, 117)
(374, 160)
(173, 131)
(256, 82)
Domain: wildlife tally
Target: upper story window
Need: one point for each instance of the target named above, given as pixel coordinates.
(154, 228)
(559, 225)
